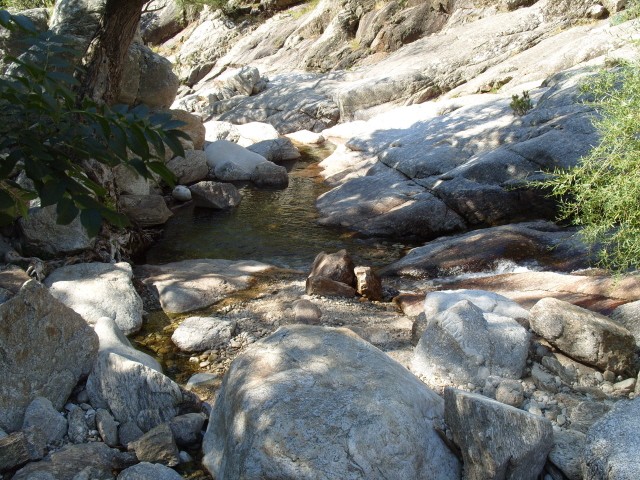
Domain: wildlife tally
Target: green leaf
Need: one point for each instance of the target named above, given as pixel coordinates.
(52, 192)
(162, 170)
(174, 144)
(66, 211)
(115, 218)
(6, 200)
(91, 220)
(24, 23)
(137, 141)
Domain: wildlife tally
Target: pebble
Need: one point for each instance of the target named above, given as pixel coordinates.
(83, 396)
(535, 410)
(185, 457)
(204, 364)
(194, 360)
(609, 376)
(561, 420)
(607, 387)
(599, 377)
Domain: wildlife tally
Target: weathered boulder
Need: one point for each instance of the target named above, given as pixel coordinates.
(96, 460)
(255, 132)
(190, 168)
(275, 150)
(165, 19)
(113, 340)
(194, 284)
(284, 411)
(612, 444)
(484, 249)
(47, 346)
(133, 392)
(305, 137)
(157, 446)
(96, 290)
(230, 162)
(268, 174)
(156, 84)
(130, 182)
(497, 441)
(216, 195)
(337, 266)
(566, 453)
(489, 302)
(149, 471)
(15, 451)
(77, 429)
(216, 130)
(464, 345)
(196, 334)
(42, 237)
(584, 335)
(187, 429)
(145, 210)
(628, 315)
(193, 127)
(77, 18)
(43, 424)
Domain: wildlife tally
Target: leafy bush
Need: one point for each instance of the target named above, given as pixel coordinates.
(602, 193)
(630, 12)
(521, 104)
(55, 137)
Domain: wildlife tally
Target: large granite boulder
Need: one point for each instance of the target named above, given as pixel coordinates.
(149, 471)
(313, 402)
(136, 394)
(113, 340)
(232, 162)
(96, 290)
(164, 19)
(587, 336)
(628, 315)
(195, 284)
(215, 195)
(145, 210)
(42, 237)
(612, 444)
(196, 334)
(190, 168)
(497, 441)
(464, 345)
(47, 348)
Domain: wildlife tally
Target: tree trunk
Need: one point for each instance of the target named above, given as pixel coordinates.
(109, 49)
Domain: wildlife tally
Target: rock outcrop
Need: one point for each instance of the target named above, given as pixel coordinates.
(47, 348)
(312, 402)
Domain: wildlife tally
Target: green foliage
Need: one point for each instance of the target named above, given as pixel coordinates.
(521, 104)
(26, 4)
(54, 137)
(602, 193)
(631, 12)
(215, 4)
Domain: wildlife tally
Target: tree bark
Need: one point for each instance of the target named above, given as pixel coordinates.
(109, 48)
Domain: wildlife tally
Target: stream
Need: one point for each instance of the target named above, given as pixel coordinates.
(272, 226)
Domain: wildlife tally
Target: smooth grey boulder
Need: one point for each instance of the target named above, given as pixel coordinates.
(586, 336)
(276, 150)
(181, 193)
(196, 334)
(113, 340)
(43, 423)
(489, 302)
(216, 195)
(305, 311)
(96, 290)
(255, 132)
(230, 161)
(47, 348)
(268, 174)
(194, 284)
(42, 237)
(157, 446)
(628, 315)
(133, 392)
(464, 345)
(612, 445)
(145, 210)
(314, 402)
(497, 441)
(187, 429)
(149, 471)
(190, 168)
(95, 459)
(566, 453)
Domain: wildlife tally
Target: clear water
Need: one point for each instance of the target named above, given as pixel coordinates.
(273, 226)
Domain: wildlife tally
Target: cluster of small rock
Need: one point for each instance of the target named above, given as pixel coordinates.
(82, 400)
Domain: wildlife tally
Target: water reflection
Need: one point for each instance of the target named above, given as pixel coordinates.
(273, 226)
